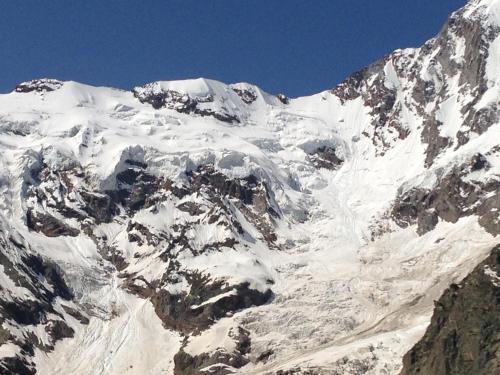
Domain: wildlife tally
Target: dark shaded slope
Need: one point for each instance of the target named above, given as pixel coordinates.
(464, 334)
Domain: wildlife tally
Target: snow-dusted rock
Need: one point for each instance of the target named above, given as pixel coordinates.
(194, 227)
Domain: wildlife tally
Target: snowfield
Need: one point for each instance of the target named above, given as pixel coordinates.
(308, 215)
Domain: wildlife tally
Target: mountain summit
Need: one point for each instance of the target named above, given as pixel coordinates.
(196, 227)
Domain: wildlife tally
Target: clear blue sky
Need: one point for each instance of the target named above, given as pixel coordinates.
(297, 47)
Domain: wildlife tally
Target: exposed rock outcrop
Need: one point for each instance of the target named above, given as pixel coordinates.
(455, 195)
(49, 225)
(463, 337)
(45, 282)
(248, 95)
(181, 102)
(207, 301)
(220, 362)
(325, 157)
(39, 85)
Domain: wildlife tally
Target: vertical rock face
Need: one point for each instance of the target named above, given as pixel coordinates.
(464, 334)
(194, 227)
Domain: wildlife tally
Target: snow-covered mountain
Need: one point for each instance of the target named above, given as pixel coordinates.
(194, 227)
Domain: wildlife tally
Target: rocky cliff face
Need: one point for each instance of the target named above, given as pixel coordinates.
(463, 336)
(194, 227)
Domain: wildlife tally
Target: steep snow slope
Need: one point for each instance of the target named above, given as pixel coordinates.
(195, 227)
